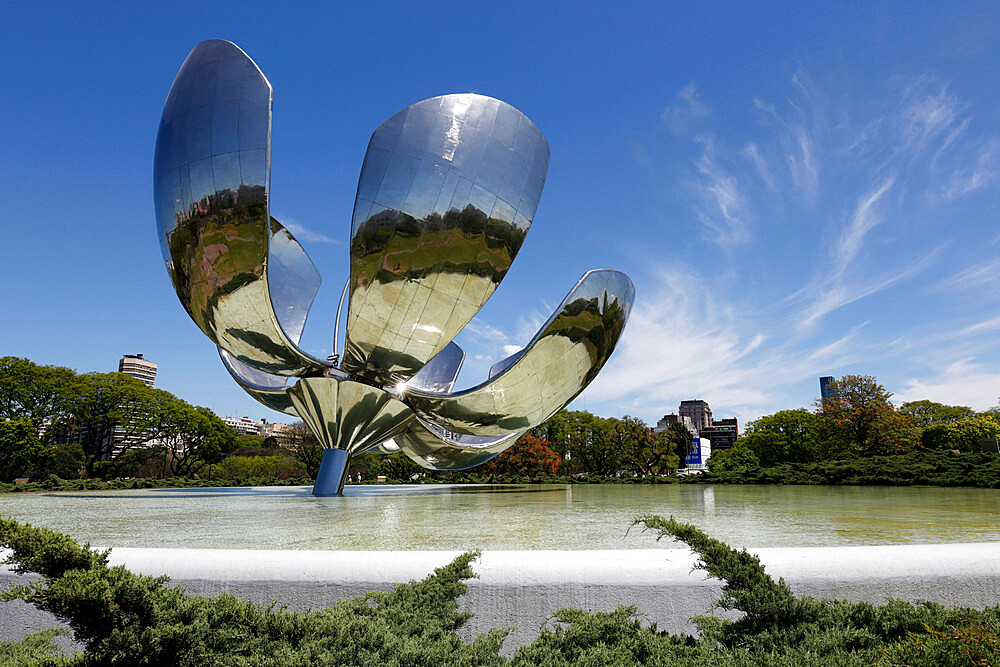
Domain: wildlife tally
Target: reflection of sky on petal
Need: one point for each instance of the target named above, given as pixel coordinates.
(462, 517)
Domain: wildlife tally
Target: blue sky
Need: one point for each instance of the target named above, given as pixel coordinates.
(795, 191)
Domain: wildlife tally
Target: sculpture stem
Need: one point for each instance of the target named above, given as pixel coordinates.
(332, 473)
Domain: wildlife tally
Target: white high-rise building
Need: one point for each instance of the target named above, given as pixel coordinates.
(139, 368)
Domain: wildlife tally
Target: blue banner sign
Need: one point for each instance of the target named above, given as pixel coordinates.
(694, 458)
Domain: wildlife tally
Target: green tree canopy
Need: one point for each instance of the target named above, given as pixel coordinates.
(585, 437)
(643, 452)
(40, 394)
(925, 413)
(964, 435)
(109, 405)
(20, 450)
(738, 458)
(788, 435)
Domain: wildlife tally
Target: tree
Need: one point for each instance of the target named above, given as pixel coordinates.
(529, 456)
(964, 435)
(925, 413)
(787, 435)
(40, 394)
(20, 450)
(681, 442)
(585, 438)
(738, 458)
(110, 413)
(197, 438)
(307, 449)
(65, 460)
(859, 420)
(643, 452)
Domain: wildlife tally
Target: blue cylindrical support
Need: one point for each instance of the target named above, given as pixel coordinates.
(332, 472)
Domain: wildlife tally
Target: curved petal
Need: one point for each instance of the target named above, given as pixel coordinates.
(561, 360)
(292, 281)
(448, 189)
(265, 388)
(435, 449)
(210, 183)
(440, 373)
(348, 415)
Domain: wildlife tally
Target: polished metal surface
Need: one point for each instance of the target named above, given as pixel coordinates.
(448, 190)
(437, 449)
(351, 415)
(440, 373)
(559, 362)
(211, 176)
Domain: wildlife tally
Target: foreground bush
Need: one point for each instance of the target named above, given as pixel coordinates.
(126, 619)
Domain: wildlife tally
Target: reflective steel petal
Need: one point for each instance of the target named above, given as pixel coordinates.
(210, 183)
(436, 449)
(348, 415)
(263, 387)
(448, 189)
(441, 372)
(561, 360)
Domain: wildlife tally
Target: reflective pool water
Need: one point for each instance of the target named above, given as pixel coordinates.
(510, 517)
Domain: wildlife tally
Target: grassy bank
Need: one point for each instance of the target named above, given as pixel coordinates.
(123, 618)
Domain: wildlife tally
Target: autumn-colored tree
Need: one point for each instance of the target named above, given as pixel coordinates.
(530, 456)
(859, 419)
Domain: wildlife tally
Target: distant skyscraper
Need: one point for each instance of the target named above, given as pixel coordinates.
(826, 390)
(139, 368)
(698, 411)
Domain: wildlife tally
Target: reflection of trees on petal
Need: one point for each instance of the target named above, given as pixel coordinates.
(447, 192)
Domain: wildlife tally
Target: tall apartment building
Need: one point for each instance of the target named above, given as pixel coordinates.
(722, 433)
(698, 412)
(667, 420)
(139, 368)
(283, 433)
(826, 390)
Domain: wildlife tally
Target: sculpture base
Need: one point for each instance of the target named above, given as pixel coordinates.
(332, 473)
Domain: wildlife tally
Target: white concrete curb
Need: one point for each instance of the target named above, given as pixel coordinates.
(523, 587)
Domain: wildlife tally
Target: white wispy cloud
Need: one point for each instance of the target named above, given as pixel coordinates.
(752, 153)
(833, 188)
(861, 222)
(977, 276)
(723, 207)
(687, 113)
(962, 382)
(308, 235)
(927, 111)
(981, 174)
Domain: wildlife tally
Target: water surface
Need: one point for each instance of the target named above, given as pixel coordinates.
(510, 517)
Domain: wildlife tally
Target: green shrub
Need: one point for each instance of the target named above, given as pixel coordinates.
(126, 619)
(240, 467)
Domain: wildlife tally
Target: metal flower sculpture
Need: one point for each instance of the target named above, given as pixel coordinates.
(448, 189)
